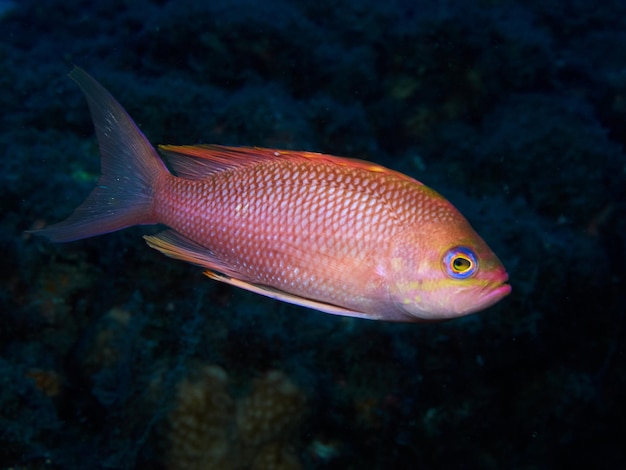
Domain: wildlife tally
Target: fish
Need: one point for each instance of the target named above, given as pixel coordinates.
(338, 235)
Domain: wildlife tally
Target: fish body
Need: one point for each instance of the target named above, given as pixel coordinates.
(342, 236)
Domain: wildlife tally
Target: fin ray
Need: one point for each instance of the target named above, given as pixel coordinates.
(129, 166)
(177, 246)
(200, 161)
(287, 297)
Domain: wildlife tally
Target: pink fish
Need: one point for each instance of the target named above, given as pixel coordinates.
(342, 236)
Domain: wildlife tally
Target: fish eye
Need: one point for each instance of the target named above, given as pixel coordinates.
(460, 262)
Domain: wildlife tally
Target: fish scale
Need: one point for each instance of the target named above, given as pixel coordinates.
(342, 236)
(285, 251)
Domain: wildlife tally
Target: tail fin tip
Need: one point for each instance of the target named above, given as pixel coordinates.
(130, 167)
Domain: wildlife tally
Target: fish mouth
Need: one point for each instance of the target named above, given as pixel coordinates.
(490, 294)
(496, 293)
(502, 290)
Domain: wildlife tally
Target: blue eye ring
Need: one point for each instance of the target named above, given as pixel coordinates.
(460, 262)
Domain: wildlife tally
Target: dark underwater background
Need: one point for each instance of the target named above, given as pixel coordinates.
(115, 357)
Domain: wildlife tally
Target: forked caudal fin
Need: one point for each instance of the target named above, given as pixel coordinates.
(129, 169)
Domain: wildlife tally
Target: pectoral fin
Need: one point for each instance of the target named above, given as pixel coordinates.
(176, 246)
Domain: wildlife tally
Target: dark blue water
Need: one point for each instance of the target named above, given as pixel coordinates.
(115, 357)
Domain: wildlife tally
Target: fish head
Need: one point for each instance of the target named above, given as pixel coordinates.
(442, 271)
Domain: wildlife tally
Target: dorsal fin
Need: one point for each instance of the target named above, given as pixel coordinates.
(200, 161)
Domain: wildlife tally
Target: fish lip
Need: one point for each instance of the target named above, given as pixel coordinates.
(498, 292)
(503, 289)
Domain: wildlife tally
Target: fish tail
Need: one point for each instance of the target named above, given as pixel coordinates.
(130, 168)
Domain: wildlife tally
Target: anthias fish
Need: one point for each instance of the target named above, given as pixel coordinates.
(342, 236)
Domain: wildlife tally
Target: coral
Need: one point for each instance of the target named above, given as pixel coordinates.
(105, 350)
(276, 456)
(47, 381)
(57, 285)
(268, 412)
(201, 425)
(207, 430)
